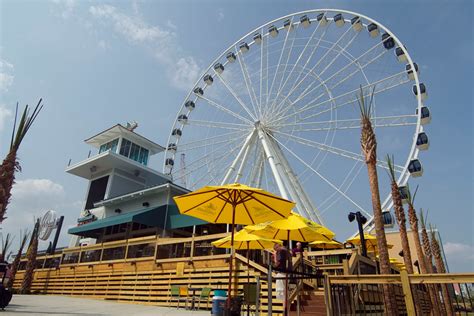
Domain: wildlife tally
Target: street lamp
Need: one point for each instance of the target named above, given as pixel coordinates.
(361, 220)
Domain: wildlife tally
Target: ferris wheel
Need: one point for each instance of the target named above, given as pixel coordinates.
(278, 109)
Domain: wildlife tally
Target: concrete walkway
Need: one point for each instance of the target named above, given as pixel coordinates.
(64, 305)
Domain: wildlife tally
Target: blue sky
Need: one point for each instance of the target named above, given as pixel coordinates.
(100, 63)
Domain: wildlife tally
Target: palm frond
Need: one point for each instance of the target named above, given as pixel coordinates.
(391, 168)
(411, 197)
(24, 125)
(365, 109)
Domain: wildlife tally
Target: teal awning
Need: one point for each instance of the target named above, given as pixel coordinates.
(154, 217)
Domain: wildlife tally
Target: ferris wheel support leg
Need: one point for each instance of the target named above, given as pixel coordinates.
(256, 174)
(273, 163)
(309, 210)
(244, 160)
(239, 156)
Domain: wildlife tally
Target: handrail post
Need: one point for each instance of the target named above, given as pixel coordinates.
(270, 289)
(327, 294)
(257, 301)
(407, 293)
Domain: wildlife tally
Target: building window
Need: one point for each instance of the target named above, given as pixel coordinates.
(134, 152)
(112, 146)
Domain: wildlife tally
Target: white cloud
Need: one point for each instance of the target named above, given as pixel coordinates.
(4, 116)
(66, 7)
(460, 256)
(36, 188)
(181, 69)
(6, 76)
(103, 45)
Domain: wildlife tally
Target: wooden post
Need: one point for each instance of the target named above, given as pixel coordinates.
(410, 306)
(327, 294)
(345, 266)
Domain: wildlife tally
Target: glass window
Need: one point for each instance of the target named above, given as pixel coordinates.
(139, 251)
(91, 255)
(102, 148)
(113, 253)
(72, 257)
(134, 152)
(143, 159)
(112, 145)
(125, 148)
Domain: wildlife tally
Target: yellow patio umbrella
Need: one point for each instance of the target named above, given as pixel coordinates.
(331, 244)
(246, 240)
(370, 242)
(295, 227)
(233, 204)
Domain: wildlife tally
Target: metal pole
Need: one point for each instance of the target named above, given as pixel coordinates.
(59, 225)
(361, 233)
(270, 289)
(257, 301)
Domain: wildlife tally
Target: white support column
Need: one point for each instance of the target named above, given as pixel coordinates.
(309, 207)
(244, 160)
(272, 163)
(239, 156)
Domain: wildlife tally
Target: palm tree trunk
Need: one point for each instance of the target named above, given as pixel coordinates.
(16, 262)
(429, 263)
(421, 258)
(401, 220)
(441, 269)
(7, 179)
(389, 295)
(31, 263)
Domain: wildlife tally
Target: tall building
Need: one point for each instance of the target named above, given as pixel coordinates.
(125, 197)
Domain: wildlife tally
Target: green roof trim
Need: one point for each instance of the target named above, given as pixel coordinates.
(154, 216)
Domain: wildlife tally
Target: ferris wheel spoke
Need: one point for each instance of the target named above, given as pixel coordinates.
(201, 161)
(224, 125)
(337, 151)
(385, 121)
(333, 186)
(229, 88)
(224, 109)
(208, 140)
(381, 85)
(300, 56)
(248, 82)
(297, 84)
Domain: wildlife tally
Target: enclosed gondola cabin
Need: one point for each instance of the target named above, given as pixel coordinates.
(410, 73)
(208, 79)
(415, 168)
(356, 24)
(244, 47)
(230, 57)
(388, 220)
(305, 21)
(403, 193)
(183, 119)
(169, 163)
(388, 41)
(322, 19)
(339, 19)
(422, 141)
(401, 56)
(288, 25)
(177, 133)
(189, 105)
(198, 91)
(172, 147)
(219, 68)
(373, 30)
(425, 116)
(422, 89)
(257, 38)
(273, 31)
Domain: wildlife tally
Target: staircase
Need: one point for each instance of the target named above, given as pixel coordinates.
(311, 304)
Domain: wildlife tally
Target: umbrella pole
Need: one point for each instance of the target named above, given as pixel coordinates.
(231, 258)
(286, 275)
(248, 276)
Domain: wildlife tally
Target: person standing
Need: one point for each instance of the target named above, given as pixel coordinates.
(298, 250)
(283, 265)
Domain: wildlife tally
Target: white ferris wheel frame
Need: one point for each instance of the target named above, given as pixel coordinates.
(284, 177)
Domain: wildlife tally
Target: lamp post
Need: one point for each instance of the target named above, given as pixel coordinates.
(361, 220)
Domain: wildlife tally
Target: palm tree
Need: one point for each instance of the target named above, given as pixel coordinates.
(401, 220)
(11, 164)
(16, 262)
(368, 143)
(6, 243)
(429, 257)
(31, 263)
(441, 269)
(419, 250)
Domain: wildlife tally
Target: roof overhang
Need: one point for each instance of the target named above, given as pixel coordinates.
(120, 131)
(108, 160)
